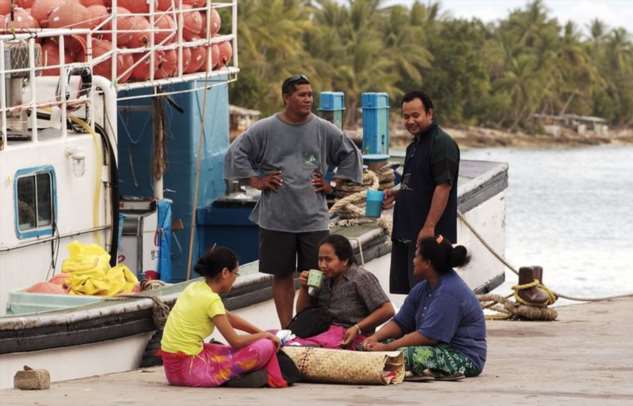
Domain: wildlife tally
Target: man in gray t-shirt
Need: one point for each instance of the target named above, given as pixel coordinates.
(285, 156)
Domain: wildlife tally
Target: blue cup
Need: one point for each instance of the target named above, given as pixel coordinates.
(374, 203)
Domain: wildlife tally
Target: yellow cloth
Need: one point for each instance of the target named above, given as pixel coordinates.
(190, 321)
(85, 258)
(90, 272)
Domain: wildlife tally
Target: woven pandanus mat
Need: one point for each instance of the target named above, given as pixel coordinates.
(350, 367)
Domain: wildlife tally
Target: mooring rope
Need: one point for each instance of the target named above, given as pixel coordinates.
(551, 296)
(350, 207)
(508, 309)
(160, 309)
(510, 267)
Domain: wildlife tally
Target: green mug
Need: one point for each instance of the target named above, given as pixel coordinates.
(315, 280)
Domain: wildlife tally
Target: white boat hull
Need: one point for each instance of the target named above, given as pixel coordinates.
(489, 220)
(77, 361)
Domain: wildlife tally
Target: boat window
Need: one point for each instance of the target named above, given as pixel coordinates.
(34, 205)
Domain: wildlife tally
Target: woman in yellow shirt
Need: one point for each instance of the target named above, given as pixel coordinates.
(187, 359)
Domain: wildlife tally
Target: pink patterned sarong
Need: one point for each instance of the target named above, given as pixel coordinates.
(331, 338)
(218, 363)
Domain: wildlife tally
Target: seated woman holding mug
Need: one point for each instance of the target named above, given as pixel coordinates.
(350, 294)
(441, 327)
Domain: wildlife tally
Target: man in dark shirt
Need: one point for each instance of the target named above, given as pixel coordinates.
(426, 203)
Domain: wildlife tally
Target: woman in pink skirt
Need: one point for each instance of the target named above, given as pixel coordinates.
(188, 360)
(352, 295)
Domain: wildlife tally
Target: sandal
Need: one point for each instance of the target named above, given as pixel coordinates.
(443, 376)
(410, 376)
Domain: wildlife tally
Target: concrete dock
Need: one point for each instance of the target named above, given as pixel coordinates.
(586, 357)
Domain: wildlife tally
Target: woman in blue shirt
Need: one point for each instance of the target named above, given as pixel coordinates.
(441, 327)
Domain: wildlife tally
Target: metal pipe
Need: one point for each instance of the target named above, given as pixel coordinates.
(113, 50)
(3, 100)
(49, 32)
(178, 91)
(234, 32)
(33, 89)
(43, 240)
(63, 86)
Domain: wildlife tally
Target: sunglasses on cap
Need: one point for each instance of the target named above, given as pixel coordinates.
(293, 80)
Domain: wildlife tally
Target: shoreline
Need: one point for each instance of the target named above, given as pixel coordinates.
(480, 137)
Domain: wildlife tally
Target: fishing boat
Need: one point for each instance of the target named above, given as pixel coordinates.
(135, 166)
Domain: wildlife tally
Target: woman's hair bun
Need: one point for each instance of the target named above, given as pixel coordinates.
(215, 260)
(458, 256)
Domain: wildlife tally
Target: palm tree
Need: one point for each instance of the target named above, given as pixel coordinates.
(523, 87)
(576, 76)
(500, 72)
(404, 44)
(598, 30)
(618, 68)
(360, 63)
(270, 35)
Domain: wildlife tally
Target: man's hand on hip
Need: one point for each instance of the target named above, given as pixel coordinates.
(272, 181)
(319, 183)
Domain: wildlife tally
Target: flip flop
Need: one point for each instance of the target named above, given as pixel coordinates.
(412, 377)
(454, 378)
(441, 376)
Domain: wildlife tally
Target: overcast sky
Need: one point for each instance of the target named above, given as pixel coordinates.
(616, 13)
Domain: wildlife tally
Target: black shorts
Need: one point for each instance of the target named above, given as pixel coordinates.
(282, 253)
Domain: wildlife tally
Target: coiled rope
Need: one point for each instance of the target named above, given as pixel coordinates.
(352, 213)
(508, 309)
(351, 210)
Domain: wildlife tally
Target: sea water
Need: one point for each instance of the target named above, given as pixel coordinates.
(570, 210)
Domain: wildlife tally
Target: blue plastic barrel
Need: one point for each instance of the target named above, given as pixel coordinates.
(332, 107)
(375, 125)
(374, 203)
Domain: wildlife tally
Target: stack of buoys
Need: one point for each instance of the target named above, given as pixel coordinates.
(134, 31)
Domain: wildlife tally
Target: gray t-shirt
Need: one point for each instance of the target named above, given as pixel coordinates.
(296, 150)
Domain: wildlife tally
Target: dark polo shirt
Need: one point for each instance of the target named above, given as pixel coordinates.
(353, 297)
(431, 159)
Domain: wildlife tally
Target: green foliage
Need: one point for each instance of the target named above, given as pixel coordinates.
(497, 74)
(458, 78)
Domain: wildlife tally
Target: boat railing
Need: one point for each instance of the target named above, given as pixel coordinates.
(140, 53)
